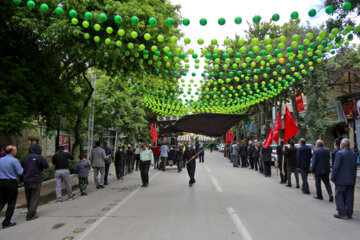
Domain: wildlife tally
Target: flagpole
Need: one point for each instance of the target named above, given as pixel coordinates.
(197, 154)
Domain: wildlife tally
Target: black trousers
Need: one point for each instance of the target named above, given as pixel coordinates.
(201, 157)
(344, 198)
(267, 170)
(119, 169)
(251, 160)
(137, 161)
(32, 194)
(256, 163)
(304, 175)
(144, 171)
(326, 181)
(191, 166)
(8, 195)
(244, 162)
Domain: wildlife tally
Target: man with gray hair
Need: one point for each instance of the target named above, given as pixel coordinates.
(321, 169)
(344, 177)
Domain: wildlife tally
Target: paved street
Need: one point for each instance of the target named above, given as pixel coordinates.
(225, 203)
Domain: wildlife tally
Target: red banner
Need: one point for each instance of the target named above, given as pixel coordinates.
(299, 102)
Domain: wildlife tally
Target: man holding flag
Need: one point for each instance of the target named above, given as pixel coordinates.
(266, 154)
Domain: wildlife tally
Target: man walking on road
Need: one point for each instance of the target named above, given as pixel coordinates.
(97, 160)
(251, 149)
(344, 177)
(290, 157)
(256, 154)
(281, 160)
(243, 154)
(146, 159)
(109, 154)
(321, 168)
(164, 151)
(191, 166)
(303, 158)
(10, 168)
(33, 164)
(266, 158)
(62, 173)
(235, 154)
(119, 163)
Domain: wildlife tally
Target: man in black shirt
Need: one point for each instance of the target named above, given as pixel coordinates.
(62, 173)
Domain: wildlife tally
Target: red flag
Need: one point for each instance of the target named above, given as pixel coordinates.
(164, 139)
(232, 136)
(155, 134)
(152, 131)
(227, 137)
(291, 128)
(277, 128)
(269, 138)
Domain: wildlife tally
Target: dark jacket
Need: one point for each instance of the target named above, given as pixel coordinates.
(344, 169)
(119, 158)
(266, 154)
(321, 161)
(179, 154)
(303, 157)
(108, 152)
(290, 156)
(251, 151)
(130, 155)
(61, 160)
(189, 154)
(333, 154)
(33, 164)
(243, 150)
(197, 147)
(256, 152)
(279, 153)
(82, 169)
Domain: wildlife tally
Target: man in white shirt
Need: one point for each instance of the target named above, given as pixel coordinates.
(146, 158)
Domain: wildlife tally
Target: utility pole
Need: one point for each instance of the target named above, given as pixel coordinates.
(91, 119)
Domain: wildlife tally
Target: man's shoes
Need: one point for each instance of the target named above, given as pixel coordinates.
(83, 193)
(101, 186)
(59, 201)
(146, 185)
(287, 185)
(318, 198)
(308, 193)
(190, 184)
(143, 185)
(297, 186)
(106, 183)
(341, 217)
(331, 199)
(98, 186)
(281, 182)
(32, 218)
(349, 217)
(72, 197)
(9, 225)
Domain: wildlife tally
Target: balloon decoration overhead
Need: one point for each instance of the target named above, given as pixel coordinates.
(234, 78)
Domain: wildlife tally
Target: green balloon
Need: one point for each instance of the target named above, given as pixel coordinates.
(102, 17)
(97, 27)
(312, 13)
(85, 24)
(86, 35)
(44, 7)
(160, 38)
(213, 42)
(238, 20)
(109, 30)
(74, 21)
(256, 19)
(135, 20)
(59, 11)
(152, 21)
(203, 21)
(30, 4)
(147, 36)
(221, 21)
(329, 9)
(88, 16)
(108, 41)
(346, 6)
(117, 19)
(16, 2)
(134, 34)
(169, 21)
(186, 22)
(97, 39)
(72, 13)
(294, 15)
(275, 17)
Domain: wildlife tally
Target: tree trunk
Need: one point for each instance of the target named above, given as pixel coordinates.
(78, 141)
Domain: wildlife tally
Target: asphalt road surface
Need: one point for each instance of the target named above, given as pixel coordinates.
(225, 203)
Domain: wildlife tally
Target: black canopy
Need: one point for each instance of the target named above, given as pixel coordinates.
(209, 124)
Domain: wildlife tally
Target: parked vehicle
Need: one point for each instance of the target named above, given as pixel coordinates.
(274, 155)
(221, 147)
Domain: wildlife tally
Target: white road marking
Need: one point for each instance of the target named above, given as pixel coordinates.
(216, 184)
(208, 169)
(103, 218)
(245, 235)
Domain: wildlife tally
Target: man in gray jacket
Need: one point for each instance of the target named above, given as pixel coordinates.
(235, 154)
(97, 159)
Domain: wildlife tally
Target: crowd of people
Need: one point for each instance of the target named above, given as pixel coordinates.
(302, 160)
(127, 160)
